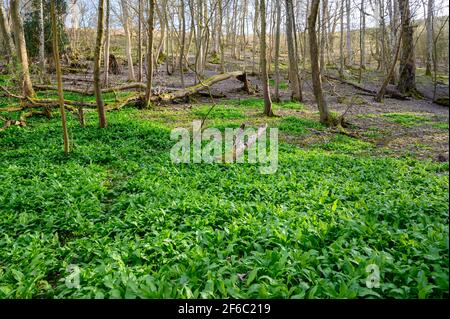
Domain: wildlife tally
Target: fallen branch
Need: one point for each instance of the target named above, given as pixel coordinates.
(124, 87)
(131, 99)
(389, 93)
(182, 94)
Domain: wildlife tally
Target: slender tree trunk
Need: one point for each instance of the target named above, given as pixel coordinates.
(380, 94)
(315, 69)
(220, 38)
(323, 38)
(362, 41)
(97, 58)
(264, 74)
(151, 17)
(126, 27)
(40, 9)
(55, 41)
(349, 34)
(383, 37)
(140, 19)
(183, 42)
(6, 32)
(255, 35)
(21, 48)
(277, 51)
(429, 37)
(293, 62)
(305, 46)
(107, 43)
(341, 42)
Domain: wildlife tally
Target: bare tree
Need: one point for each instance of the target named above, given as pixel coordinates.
(349, 34)
(407, 80)
(277, 50)
(264, 73)
(151, 15)
(55, 41)
(107, 41)
(40, 10)
(315, 68)
(97, 58)
(6, 32)
(294, 74)
(126, 27)
(429, 24)
(21, 48)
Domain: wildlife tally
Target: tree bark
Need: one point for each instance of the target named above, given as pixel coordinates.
(381, 92)
(407, 80)
(315, 68)
(21, 48)
(40, 9)
(59, 77)
(277, 51)
(126, 27)
(349, 34)
(107, 43)
(429, 23)
(6, 32)
(341, 42)
(97, 58)
(294, 75)
(264, 74)
(151, 15)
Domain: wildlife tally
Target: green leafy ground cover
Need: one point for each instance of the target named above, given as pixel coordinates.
(137, 225)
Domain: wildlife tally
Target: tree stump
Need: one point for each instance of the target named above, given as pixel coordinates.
(114, 66)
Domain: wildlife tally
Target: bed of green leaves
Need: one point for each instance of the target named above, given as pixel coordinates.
(137, 225)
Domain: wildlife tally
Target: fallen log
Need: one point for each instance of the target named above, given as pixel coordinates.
(131, 99)
(74, 106)
(182, 94)
(389, 93)
(124, 87)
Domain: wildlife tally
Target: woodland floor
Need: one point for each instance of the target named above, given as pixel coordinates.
(139, 226)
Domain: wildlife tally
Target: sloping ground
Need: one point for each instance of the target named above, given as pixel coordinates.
(137, 225)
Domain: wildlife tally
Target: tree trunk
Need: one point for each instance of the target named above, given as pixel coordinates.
(349, 34)
(255, 33)
(407, 80)
(97, 58)
(264, 74)
(429, 23)
(40, 9)
(140, 19)
(277, 51)
(183, 42)
(107, 43)
(21, 48)
(126, 27)
(323, 38)
(59, 77)
(151, 16)
(341, 42)
(362, 41)
(293, 62)
(315, 68)
(6, 32)
(381, 92)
